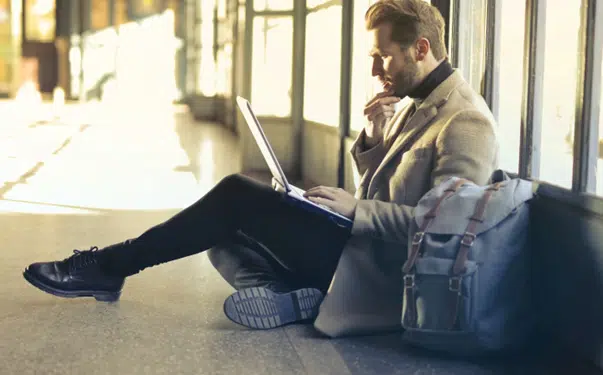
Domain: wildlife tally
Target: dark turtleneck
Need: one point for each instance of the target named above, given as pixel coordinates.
(433, 80)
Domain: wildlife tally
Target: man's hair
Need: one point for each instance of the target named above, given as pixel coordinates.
(410, 20)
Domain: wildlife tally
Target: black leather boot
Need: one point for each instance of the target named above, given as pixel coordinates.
(80, 275)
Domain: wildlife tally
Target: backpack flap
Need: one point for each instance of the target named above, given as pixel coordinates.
(459, 207)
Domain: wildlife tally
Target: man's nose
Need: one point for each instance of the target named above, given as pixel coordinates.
(377, 69)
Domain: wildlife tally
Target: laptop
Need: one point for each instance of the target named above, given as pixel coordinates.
(293, 194)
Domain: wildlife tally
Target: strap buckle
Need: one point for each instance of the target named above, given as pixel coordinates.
(454, 284)
(468, 239)
(409, 281)
(418, 238)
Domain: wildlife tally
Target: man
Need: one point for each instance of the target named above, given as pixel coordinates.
(282, 259)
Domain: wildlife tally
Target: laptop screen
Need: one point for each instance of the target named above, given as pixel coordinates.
(262, 142)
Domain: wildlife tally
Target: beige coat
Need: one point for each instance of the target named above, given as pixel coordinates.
(452, 133)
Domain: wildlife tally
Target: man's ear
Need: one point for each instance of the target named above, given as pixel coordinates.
(422, 47)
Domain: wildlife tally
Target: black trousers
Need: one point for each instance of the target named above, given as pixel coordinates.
(243, 221)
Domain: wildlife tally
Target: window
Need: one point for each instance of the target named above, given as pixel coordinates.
(512, 33)
(363, 85)
(99, 14)
(40, 20)
(559, 92)
(267, 5)
(323, 66)
(472, 42)
(272, 66)
(207, 67)
(120, 12)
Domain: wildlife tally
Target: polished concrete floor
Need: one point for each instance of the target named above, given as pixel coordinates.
(103, 177)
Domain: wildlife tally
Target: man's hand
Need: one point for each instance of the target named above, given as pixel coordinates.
(336, 199)
(378, 111)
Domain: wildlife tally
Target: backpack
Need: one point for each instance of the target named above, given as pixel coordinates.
(466, 278)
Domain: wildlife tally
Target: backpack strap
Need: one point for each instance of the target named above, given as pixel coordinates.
(410, 317)
(454, 283)
(417, 240)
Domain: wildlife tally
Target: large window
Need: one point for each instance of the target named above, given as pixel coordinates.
(323, 65)
(272, 65)
(559, 97)
(512, 34)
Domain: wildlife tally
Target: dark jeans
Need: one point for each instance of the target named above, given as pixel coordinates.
(240, 214)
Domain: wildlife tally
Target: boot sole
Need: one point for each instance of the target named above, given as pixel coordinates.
(99, 295)
(261, 308)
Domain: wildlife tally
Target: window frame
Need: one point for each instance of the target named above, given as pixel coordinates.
(587, 116)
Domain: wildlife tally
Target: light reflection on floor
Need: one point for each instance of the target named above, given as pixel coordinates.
(126, 160)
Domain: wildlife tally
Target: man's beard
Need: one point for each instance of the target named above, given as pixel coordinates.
(406, 80)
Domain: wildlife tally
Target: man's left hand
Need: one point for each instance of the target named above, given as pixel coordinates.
(336, 199)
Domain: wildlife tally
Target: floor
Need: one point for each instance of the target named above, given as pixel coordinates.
(98, 177)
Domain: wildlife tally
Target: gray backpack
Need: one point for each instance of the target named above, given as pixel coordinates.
(466, 279)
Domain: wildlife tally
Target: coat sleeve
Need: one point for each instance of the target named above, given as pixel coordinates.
(364, 159)
(466, 147)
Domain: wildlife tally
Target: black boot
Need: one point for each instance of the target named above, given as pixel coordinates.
(80, 275)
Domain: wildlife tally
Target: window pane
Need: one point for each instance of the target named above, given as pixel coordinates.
(510, 91)
(472, 42)
(207, 67)
(559, 100)
(40, 20)
(99, 17)
(363, 85)
(120, 11)
(323, 66)
(272, 66)
(261, 5)
(224, 70)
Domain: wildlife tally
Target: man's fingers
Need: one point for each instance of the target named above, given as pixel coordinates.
(382, 102)
(380, 95)
(327, 202)
(385, 112)
(322, 191)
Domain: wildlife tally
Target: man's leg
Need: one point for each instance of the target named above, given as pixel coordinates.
(244, 264)
(307, 244)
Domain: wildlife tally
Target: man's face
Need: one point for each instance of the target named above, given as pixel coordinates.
(395, 68)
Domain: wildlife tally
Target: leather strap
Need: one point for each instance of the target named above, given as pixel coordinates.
(413, 250)
(454, 283)
(469, 235)
(410, 318)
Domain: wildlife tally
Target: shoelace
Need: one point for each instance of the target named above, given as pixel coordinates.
(82, 258)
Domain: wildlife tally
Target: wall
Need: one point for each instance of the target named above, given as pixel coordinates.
(320, 154)
(278, 132)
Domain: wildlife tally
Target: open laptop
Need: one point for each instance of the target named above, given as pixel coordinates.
(294, 194)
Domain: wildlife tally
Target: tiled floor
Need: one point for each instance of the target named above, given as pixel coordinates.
(111, 181)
